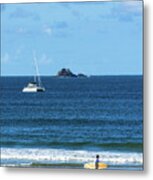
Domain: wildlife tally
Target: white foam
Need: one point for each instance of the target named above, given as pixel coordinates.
(69, 156)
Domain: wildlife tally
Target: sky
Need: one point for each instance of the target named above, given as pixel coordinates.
(94, 38)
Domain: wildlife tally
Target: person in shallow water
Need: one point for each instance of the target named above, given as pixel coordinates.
(97, 162)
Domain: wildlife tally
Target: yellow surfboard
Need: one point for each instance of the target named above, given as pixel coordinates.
(92, 166)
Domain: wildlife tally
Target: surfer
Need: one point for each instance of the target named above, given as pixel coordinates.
(97, 162)
(95, 165)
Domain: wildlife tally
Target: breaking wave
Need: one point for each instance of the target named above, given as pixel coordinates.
(36, 156)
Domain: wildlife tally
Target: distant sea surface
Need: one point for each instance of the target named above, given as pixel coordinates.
(72, 121)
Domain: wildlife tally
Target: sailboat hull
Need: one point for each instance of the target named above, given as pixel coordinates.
(34, 89)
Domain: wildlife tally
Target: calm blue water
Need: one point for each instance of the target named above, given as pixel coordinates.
(72, 121)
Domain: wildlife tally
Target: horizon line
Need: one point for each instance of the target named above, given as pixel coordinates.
(70, 76)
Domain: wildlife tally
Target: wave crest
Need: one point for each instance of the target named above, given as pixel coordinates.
(70, 156)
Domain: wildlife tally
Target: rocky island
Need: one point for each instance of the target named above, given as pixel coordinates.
(68, 73)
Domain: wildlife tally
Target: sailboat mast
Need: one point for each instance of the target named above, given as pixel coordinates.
(35, 79)
(37, 70)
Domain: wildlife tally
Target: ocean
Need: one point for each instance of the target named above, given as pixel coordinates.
(72, 121)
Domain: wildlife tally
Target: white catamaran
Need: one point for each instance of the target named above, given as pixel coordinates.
(35, 86)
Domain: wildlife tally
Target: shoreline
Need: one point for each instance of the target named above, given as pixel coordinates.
(61, 158)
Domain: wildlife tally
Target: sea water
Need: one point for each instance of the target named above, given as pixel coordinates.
(72, 121)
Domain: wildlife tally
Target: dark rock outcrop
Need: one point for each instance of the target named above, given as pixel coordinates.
(81, 75)
(66, 73)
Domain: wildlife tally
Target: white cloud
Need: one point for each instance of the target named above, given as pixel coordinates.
(45, 60)
(48, 30)
(133, 6)
(18, 53)
(21, 30)
(5, 58)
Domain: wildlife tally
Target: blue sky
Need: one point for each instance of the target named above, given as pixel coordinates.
(95, 38)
